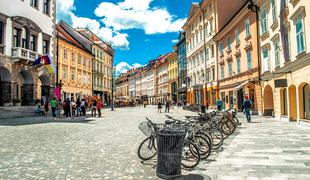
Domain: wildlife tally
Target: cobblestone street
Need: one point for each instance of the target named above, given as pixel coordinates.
(106, 148)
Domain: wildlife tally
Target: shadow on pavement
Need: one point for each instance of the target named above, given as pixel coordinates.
(40, 120)
(192, 177)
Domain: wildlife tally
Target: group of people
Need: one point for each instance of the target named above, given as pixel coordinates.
(70, 107)
(160, 106)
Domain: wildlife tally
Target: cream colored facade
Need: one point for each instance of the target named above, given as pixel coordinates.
(238, 65)
(200, 29)
(285, 52)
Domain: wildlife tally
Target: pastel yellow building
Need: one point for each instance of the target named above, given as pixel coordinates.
(172, 76)
(75, 65)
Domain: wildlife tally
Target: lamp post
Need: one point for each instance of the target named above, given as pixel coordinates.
(255, 8)
(113, 85)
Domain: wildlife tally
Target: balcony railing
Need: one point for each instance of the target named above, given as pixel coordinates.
(21, 53)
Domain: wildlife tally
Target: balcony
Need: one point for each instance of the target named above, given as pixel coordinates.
(21, 53)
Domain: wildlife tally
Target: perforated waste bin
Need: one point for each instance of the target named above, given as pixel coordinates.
(170, 141)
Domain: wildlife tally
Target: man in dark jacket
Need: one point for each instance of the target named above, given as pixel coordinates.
(247, 108)
(167, 107)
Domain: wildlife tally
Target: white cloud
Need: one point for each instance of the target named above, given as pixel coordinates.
(123, 67)
(65, 11)
(117, 39)
(65, 5)
(134, 14)
(137, 65)
(174, 41)
(137, 5)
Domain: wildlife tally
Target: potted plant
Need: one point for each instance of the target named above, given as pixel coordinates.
(17, 102)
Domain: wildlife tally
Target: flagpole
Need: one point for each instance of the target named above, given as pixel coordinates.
(57, 78)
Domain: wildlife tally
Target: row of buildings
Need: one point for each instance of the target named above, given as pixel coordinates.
(28, 30)
(249, 48)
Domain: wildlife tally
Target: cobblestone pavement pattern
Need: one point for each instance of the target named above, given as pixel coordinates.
(106, 148)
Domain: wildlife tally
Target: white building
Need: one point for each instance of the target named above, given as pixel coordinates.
(26, 31)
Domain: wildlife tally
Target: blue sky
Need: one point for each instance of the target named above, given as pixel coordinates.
(139, 30)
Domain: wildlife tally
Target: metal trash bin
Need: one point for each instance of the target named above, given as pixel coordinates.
(170, 140)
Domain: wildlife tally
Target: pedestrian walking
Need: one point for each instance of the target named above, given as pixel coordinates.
(78, 107)
(64, 104)
(99, 106)
(167, 107)
(83, 107)
(53, 103)
(68, 108)
(94, 108)
(73, 107)
(247, 108)
(159, 106)
(219, 104)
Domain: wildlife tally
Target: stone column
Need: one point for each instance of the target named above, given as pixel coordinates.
(28, 95)
(6, 93)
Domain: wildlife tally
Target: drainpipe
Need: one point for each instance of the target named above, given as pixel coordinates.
(255, 8)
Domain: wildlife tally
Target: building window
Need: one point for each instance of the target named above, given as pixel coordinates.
(79, 59)
(64, 74)
(1, 37)
(79, 76)
(221, 48)
(286, 47)
(222, 72)
(229, 69)
(201, 34)
(264, 21)
(16, 37)
(247, 27)
(207, 54)
(65, 53)
(273, 10)
(72, 75)
(300, 35)
(238, 65)
(72, 57)
(34, 3)
(249, 59)
(211, 26)
(237, 36)
(33, 43)
(46, 7)
(266, 59)
(84, 61)
(24, 38)
(276, 53)
(46, 45)
(228, 42)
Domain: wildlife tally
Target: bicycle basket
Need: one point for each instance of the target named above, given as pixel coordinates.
(145, 128)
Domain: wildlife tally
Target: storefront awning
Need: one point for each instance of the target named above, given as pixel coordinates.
(242, 85)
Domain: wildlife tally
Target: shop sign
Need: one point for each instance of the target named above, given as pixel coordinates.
(280, 83)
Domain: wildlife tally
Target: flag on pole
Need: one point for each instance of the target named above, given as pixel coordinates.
(45, 61)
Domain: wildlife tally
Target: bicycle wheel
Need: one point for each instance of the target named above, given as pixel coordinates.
(203, 146)
(228, 128)
(190, 155)
(217, 137)
(147, 149)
